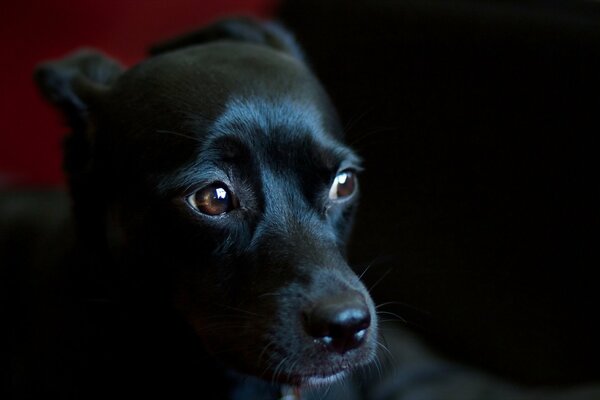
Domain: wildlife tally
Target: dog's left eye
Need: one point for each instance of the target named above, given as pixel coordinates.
(344, 185)
(214, 199)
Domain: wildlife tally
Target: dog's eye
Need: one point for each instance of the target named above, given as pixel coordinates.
(214, 199)
(343, 186)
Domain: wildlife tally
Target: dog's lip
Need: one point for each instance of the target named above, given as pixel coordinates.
(313, 379)
(319, 380)
(325, 374)
(310, 381)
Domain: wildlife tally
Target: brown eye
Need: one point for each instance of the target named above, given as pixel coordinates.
(214, 199)
(343, 186)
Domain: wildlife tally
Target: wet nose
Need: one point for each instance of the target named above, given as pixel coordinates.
(339, 322)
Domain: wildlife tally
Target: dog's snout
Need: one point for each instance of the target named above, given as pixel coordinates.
(341, 323)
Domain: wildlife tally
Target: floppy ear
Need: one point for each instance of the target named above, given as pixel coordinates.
(73, 84)
(243, 29)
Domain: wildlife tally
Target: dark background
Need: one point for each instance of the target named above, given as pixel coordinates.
(478, 123)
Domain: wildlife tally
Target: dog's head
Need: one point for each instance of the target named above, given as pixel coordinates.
(214, 172)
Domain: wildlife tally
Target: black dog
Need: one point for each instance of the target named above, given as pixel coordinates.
(210, 179)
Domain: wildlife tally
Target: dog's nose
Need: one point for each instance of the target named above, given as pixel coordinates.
(340, 323)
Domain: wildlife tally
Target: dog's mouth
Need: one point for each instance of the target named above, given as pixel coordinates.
(320, 380)
(315, 364)
(291, 391)
(302, 380)
(307, 377)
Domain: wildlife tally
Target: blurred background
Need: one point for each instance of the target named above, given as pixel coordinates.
(478, 122)
(35, 31)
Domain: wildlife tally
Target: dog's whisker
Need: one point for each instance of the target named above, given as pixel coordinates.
(239, 319)
(219, 328)
(352, 122)
(392, 314)
(376, 261)
(367, 369)
(391, 356)
(379, 368)
(386, 273)
(269, 294)
(388, 303)
(291, 368)
(230, 317)
(264, 350)
(387, 353)
(327, 391)
(238, 349)
(277, 370)
(241, 310)
(366, 269)
(404, 305)
(385, 320)
(178, 134)
(234, 349)
(269, 365)
(192, 119)
(238, 315)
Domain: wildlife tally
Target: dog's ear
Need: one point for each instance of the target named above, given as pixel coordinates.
(74, 85)
(73, 82)
(243, 29)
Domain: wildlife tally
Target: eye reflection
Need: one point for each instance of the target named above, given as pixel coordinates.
(344, 185)
(221, 193)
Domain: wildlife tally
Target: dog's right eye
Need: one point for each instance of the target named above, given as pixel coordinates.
(214, 199)
(344, 185)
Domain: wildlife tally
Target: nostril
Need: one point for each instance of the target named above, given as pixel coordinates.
(340, 323)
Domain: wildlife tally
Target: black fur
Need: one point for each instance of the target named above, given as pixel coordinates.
(242, 110)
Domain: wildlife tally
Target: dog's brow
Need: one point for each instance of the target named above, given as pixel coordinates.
(266, 115)
(338, 157)
(186, 177)
(243, 119)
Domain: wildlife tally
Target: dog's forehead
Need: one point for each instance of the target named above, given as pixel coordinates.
(203, 79)
(203, 92)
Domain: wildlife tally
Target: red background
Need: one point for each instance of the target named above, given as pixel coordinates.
(31, 131)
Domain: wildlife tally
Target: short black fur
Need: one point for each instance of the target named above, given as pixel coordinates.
(214, 305)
